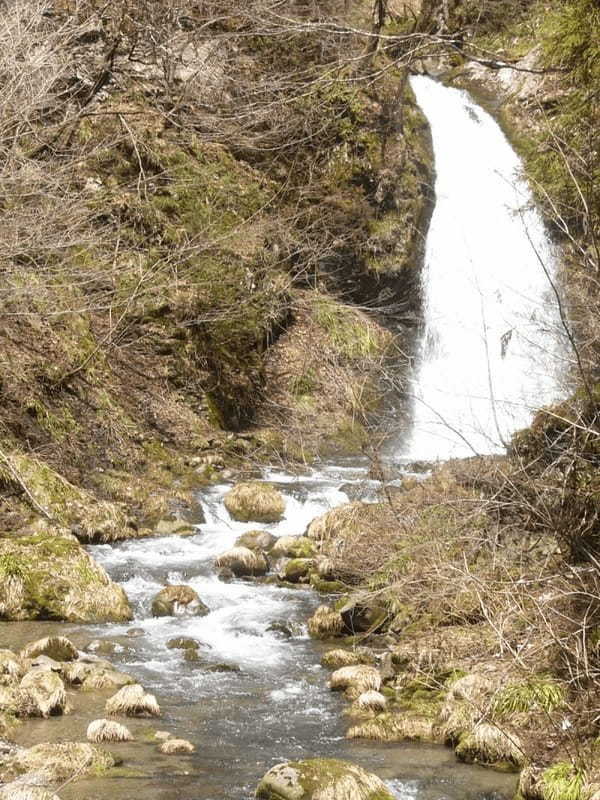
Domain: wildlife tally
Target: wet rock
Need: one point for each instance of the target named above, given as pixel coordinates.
(334, 659)
(325, 623)
(132, 701)
(256, 540)
(286, 629)
(293, 547)
(107, 730)
(60, 761)
(193, 656)
(57, 647)
(225, 574)
(135, 633)
(178, 601)
(101, 678)
(174, 527)
(10, 664)
(46, 692)
(242, 561)
(185, 643)
(103, 646)
(296, 570)
(320, 778)
(172, 746)
(223, 668)
(43, 662)
(255, 501)
(360, 615)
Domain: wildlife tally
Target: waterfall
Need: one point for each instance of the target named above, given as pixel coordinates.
(491, 349)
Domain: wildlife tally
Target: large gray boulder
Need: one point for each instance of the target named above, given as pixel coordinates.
(321, 779)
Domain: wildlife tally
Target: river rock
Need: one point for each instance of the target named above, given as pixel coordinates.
(46, 692)
(107, 730)
(293, 547)
(255, 501)
(371, 701)
(58, 648)
(242, 562)
(296, 570)
(256, 540)
(11, 664)
(321, 779)
(334, 659)
(174, 527)
(55, 762)
(174, 746)
(184, 643)
(132, 701)
(178, 601)
(360, 678)
(53, 577)
(361, 615)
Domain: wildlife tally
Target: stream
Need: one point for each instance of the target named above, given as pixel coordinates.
(490, 352)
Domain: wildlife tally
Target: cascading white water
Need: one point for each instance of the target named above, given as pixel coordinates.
(491, 351)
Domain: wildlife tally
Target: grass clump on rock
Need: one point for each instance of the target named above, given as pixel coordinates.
(325, 623)
(57, 647)
(133, 701)
(107, 730)
(319, 778)
(60, 761)
(175, 746)
(254, 501)
(49, 575)
(242, 561)
(176, 601)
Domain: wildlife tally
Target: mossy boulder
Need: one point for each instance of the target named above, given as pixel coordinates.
(90, 519)
(321, 779)
(296, 570)
(50, 576)
(256, 540)
(59, 761)
(174, 527)
(46, 692)
(293, 547)
(178, 601)
(57, 647)
(243, 562)
(255, 501)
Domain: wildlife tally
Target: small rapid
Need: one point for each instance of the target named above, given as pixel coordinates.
(490, 353)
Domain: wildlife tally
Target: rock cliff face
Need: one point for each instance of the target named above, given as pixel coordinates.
(208, 214)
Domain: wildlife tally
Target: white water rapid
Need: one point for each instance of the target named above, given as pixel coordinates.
(491, 352)
(488, 357)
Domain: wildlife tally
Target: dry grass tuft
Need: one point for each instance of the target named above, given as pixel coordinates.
(132, 701)
(107, 730)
